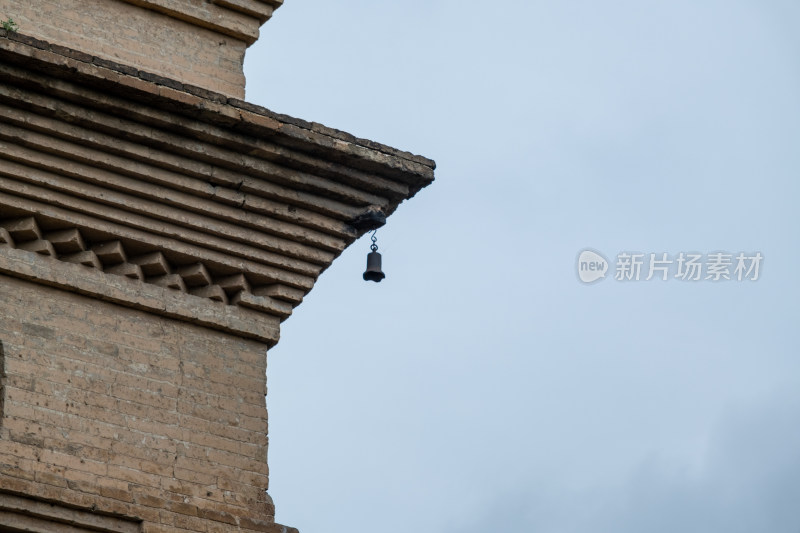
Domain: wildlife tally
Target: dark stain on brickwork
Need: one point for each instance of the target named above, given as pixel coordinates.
(36, 330)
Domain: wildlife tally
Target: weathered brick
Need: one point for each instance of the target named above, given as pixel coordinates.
(85, 415)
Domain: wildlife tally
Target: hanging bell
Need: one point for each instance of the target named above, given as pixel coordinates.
(373, 272)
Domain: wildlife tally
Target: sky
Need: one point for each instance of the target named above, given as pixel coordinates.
(482, 386)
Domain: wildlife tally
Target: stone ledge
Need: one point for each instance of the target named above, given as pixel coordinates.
(29, 514)
(51, 509)
(146, 297)
(296, 132)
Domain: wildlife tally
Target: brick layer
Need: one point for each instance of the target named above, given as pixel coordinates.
(211, 105)
(114, 409)
(144, 39)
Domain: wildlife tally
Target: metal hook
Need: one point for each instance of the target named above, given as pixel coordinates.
(373, 246)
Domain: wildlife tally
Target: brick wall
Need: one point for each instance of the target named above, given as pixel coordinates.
(147, 40)
(117, 410)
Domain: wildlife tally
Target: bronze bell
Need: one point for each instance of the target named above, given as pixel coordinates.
(373, 272)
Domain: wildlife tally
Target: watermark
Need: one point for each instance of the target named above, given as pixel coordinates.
(683, 266)
(592, 266)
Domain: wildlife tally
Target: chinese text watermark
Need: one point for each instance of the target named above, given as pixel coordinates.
(684, 266)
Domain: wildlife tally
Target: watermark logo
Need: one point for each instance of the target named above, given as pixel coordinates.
(591, 266)
(684, 266)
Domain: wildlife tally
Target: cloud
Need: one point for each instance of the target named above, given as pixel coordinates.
(747, 480)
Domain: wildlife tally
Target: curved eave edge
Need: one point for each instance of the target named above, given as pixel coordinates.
(217, 109)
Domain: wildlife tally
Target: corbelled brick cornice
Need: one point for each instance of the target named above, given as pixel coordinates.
(174, 199)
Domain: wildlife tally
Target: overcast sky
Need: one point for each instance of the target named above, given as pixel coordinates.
(482, 386)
